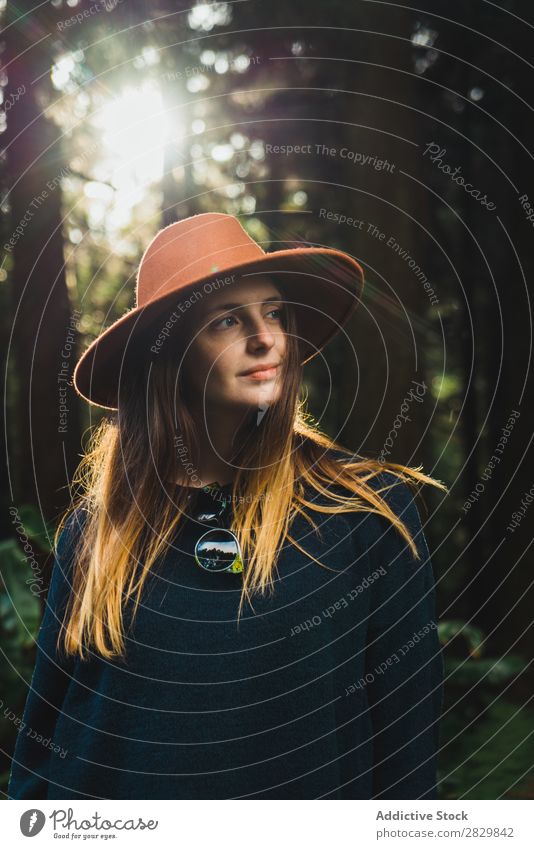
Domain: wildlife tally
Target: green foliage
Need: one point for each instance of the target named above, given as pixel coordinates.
(453, 628)
(19, 610)
(488, 671)
(21, 589)
(38, 531)
(487, 747)
(493, 756)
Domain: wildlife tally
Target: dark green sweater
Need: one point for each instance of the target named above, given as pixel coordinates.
(331, 688)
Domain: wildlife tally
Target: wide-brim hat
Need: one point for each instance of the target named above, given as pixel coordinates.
(193, 257)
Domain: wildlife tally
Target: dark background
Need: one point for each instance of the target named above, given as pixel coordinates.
(136, 114)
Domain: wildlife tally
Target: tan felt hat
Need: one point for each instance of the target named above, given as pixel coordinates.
(196, 256)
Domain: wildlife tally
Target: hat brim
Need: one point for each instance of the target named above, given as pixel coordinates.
(324, 285)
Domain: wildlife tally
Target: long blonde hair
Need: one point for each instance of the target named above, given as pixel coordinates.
(131, 518)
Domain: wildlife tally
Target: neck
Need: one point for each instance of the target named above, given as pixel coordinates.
(216, 433)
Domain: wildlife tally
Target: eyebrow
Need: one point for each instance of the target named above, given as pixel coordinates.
(272, 299)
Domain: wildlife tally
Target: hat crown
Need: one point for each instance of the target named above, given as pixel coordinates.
(192, 249)
(323, 285)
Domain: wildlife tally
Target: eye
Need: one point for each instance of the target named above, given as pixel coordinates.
(225, 318)
(218, 324)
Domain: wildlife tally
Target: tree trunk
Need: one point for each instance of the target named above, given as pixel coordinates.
(44, 456)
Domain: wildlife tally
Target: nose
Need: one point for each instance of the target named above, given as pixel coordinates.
(260, 334)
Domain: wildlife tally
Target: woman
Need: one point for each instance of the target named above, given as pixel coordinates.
(239, 606)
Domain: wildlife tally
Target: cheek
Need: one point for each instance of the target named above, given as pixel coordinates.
(196, 367)
(224, 365)
(211, 365)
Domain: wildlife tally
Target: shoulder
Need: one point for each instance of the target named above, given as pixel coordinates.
(72, 527)
(399, 495)
(380, 486)
(396, 492)
(373, 526)
(64, 555)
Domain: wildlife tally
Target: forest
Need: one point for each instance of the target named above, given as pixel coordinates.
(400, 135)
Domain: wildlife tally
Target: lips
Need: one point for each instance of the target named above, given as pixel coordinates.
(262, 372)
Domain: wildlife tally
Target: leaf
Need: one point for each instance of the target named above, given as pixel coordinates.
(20, 608)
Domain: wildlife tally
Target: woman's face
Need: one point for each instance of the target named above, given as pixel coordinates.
(237, 329)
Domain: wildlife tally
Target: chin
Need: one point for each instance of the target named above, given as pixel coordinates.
(258, 399)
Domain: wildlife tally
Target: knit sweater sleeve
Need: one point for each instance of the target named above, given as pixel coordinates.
(404, 664)
(50, 679)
